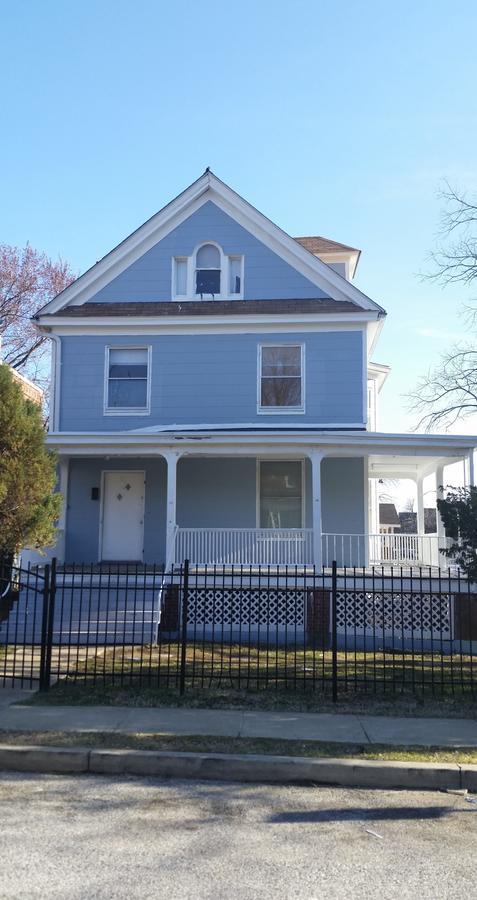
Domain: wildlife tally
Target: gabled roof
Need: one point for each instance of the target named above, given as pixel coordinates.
(388, 514)
(208, 187)
(330, 251)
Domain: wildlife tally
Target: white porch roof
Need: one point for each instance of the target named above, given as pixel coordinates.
(398, 455)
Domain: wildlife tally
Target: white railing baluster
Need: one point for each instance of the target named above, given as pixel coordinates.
(294, 546)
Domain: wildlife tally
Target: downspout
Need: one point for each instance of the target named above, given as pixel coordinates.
(54, 420)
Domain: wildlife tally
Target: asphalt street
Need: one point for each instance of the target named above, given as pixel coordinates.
(92, 837)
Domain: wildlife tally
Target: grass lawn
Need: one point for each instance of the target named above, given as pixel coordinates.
(205, 744)
(241, 677)
(67, 693)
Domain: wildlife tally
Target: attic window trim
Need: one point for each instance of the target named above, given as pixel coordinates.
(228, 262)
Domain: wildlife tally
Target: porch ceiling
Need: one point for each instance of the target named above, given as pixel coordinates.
(413, 467)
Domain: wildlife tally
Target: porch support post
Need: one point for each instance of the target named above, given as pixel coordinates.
(420, 505)
(172, 459)
(469, 473)
(316, 457)
(441, 532)
(440, 495)
(63, 474)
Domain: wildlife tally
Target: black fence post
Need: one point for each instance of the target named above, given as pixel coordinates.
(184, 612)
(334, 632)
(44, 626)
(49, 596)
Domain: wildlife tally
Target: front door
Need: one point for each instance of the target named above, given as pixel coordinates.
(123, 516)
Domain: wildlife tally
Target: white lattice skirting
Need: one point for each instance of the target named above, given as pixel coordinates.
(426, 617)
(383, 616)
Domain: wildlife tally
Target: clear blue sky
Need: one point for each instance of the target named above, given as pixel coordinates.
(333, 119)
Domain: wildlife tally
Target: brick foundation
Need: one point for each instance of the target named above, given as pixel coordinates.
(170, 608)
(318, 618)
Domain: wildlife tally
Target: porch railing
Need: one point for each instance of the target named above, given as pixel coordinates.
(294, 546)
(245, 546)
(380, 549)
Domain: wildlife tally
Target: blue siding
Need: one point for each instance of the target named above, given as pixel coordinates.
(266, 275)
(343, 496)
(212, 379)
(216, 493)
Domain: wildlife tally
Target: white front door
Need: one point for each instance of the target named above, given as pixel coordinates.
(122, 536)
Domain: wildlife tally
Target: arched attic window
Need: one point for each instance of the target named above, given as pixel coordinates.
(208, 270)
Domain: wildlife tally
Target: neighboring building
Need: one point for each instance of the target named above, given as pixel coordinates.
(215, 395)
(408, 521)
(389, 522)
(30, 390)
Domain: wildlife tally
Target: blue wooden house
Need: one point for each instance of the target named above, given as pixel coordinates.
(215, 396)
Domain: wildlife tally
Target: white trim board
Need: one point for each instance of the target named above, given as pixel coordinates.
(206, 324)
(209, 187)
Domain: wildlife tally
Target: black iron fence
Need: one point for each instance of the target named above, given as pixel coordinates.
(239, 628)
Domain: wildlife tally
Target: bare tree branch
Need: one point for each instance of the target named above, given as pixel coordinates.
(449, 391)
(28, 280)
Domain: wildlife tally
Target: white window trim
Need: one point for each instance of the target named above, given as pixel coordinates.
(127, 410)
(175, 294)
(261, 459)
(241, 259)
(280, 410)
(224, 274)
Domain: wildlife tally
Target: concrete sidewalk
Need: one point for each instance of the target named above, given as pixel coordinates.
(335, 727)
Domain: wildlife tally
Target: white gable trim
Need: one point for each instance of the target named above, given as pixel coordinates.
(206, 188)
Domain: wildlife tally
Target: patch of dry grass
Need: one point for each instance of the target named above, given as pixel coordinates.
(241, 677)
(206, 744)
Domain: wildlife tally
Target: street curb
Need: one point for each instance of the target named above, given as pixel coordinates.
(238, 767)
(43, 759)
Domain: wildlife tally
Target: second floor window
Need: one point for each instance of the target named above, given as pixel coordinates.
(208, 270)
(281, 378)
(127, 379)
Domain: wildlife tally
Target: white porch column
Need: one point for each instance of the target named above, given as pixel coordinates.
(420, 505)
(172, 459)
(316, 457)
(439, 495)
(63, 474)
(469, 473)
(441, 532)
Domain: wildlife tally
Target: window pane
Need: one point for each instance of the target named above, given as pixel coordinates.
(127, 371)
(126, 393)
(280, 513)
(281, 360)
(235, 268)
(281, 392)
(208, 257)
(282, 477)
(281, 494)
(208, 281)
(181, 277)
(126, 355)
